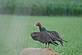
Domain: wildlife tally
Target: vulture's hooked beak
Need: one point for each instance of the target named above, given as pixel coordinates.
(35, 26)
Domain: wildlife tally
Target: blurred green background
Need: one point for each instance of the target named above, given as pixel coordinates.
(15, 33)
(17, 18)
(41, 7)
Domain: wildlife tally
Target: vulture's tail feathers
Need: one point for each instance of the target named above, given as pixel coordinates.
(64, 40)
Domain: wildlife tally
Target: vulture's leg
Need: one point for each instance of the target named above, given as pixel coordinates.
(44, 45)
(48, 45)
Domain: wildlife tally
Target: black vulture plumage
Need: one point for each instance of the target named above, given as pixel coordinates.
(53, 34)
(43, 37)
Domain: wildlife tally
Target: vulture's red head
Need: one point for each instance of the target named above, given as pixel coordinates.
(38, 24)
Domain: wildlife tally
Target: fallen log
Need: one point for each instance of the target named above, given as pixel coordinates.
(38, 51)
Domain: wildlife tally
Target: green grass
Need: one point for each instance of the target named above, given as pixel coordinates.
(15, 33)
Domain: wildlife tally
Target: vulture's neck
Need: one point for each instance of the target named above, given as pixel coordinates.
(42, 28)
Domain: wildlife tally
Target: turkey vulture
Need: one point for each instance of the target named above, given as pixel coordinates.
(53, 34)
(43, 37)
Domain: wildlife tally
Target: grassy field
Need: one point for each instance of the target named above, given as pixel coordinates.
(15, 33)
